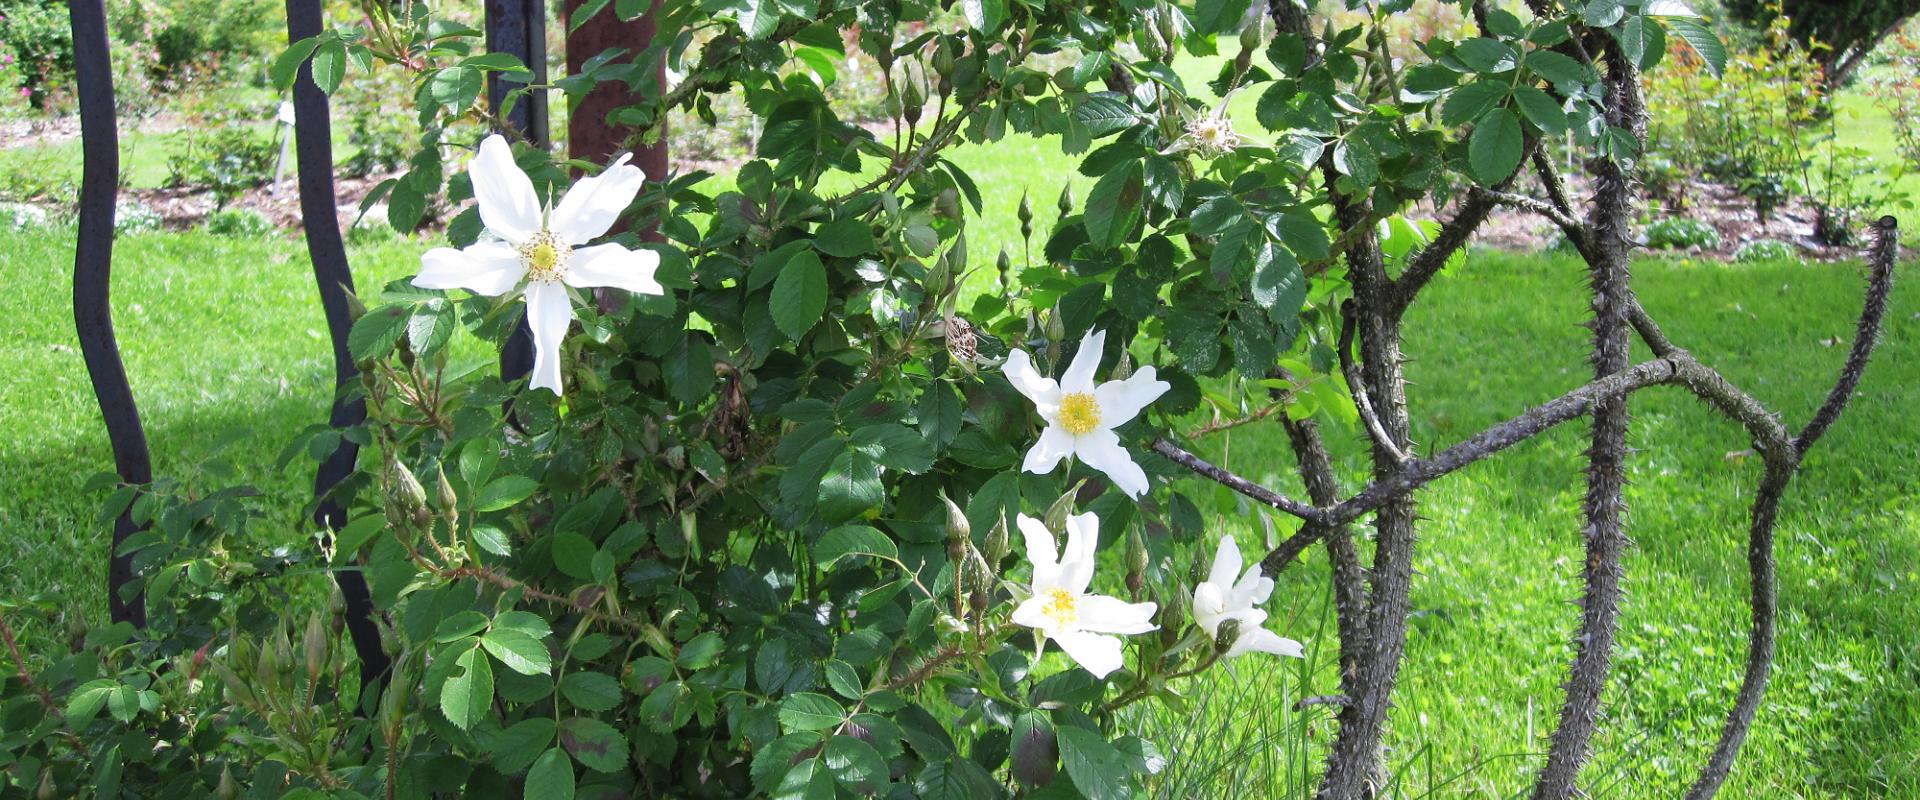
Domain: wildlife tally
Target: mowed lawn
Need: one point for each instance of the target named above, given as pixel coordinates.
(222, 333)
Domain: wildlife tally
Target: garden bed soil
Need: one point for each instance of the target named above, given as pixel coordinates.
(1721, 207)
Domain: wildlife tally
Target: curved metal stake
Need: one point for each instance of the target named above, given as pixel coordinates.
(92, 285)
(314, 147)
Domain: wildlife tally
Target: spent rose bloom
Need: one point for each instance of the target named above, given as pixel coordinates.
(539, 252)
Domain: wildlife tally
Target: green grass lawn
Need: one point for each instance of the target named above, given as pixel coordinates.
(222, 333)
(1500, 556)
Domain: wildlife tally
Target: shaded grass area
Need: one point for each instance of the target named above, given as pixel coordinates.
(1498, 566)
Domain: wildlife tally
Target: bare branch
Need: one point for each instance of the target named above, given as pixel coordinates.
(1762, 427)
(1551, 181)
(1780, 468)
(1567, 224)
(1431, 259)
(1202, 467)
(1358, 389)
(1885, 251)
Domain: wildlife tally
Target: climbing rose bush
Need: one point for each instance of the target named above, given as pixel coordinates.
(745, 527)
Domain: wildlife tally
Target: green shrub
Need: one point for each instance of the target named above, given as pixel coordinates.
(228, 160)
(1681, 233)
(244, 222)
(36, 37)
(1766, 250)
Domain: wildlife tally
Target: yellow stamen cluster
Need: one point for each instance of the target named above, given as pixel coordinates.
(545, 257)
(1062, 607)
(1079, 413)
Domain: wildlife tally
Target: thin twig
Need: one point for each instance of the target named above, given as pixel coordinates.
(1358, 389)
(1226, 478)
(20, 663)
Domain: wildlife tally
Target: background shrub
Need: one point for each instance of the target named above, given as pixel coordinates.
(1765, 250)
(1680, 233)
(238, 222)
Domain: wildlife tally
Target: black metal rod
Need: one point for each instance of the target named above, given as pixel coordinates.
(519, 27)
(313, 146)
(92, 286)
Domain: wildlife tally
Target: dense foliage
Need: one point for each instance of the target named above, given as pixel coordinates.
(791, 511)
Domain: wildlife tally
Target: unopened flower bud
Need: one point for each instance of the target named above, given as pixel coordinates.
(228, 788)
(1173, 608)
(979, 601)
(1004, 265)
(405, 486)
(449, 502)
(1056, 516)
(1225, 635)
(944, 57)
(959, 529)
(995, 547)
(1066, 200)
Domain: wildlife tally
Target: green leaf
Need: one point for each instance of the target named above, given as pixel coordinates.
(699, 652)
(1218, 16)
(667, 707)
(1098, 769)
(846, 238)
(957, 778)
(467, 697)
(520, 652)
(1632, 37)
(527, 622)
(1279, 286)
(808, 711)
(573, 554)
(551, 777)
(1484, 55)
(1702, 40)
(939, 413)
(851, 486)
(1540, 109)
(844, 681)
(87, 701)
(852, 540)
(855, 764)
(455, 87)
(591, 691)
(1106, 113)
(758, 18)
(594, 744)
(490, 538)
(773, 761)
(1558, 69)
(1275, 102)
(1468, 102)
(516, 748)
(1495, 147)
(1354, 158)
(984, 16)
(799, 297)
(329, 65)
(505, 492)
(375, 333)
(688, 370)
(896, 447)
(286, 65)
(1113, 207)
